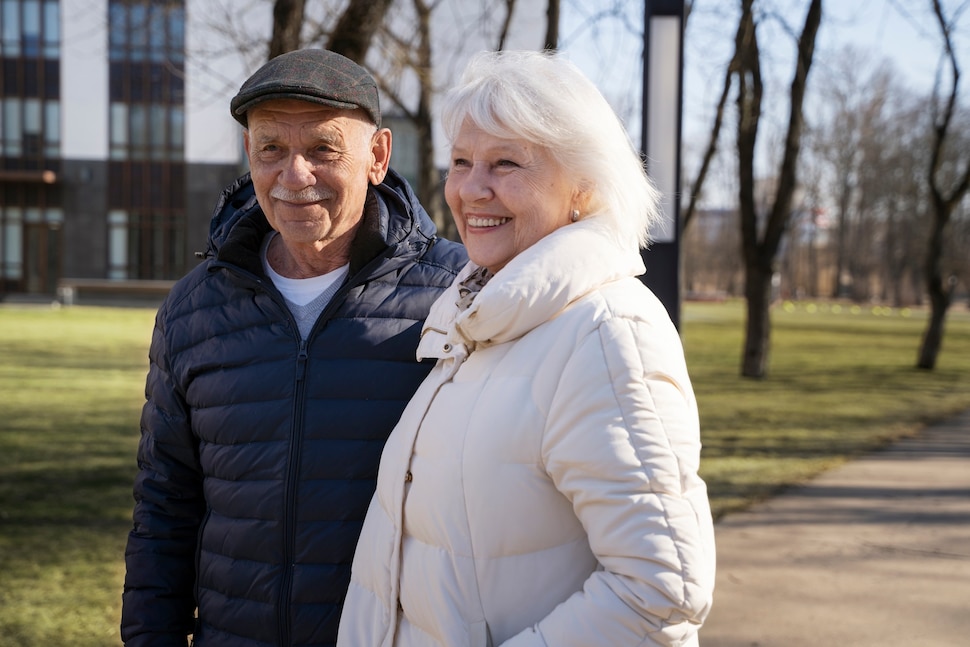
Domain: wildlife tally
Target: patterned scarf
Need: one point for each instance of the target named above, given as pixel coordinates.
(471, 286)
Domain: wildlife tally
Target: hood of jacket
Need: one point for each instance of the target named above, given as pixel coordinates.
(535, 286)
(393, 216)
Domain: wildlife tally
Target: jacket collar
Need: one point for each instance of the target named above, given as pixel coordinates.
(531, 289)
(392, 216)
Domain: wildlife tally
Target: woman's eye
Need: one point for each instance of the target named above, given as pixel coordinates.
(459, 162)
(506, 164)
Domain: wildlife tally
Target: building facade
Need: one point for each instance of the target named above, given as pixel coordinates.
(97, 181)
(115, 133)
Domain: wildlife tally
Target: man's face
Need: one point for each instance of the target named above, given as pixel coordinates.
(311, 166)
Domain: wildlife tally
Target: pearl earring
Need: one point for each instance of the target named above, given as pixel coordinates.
(574, 216)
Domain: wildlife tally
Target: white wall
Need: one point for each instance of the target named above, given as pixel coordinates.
(211, 135)
(84, 79)
(212, 79)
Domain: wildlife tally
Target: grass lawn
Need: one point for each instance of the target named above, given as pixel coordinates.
(72, 382)
(840, 382)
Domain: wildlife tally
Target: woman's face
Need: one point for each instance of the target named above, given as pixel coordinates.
(504, 194)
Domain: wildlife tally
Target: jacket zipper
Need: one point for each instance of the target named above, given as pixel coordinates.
(296, 445)
(292, 484)
(296, 439)
(289, 495)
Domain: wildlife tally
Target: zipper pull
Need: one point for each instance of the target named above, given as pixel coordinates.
(301, 360)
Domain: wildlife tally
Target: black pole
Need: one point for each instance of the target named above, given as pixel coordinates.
(662, 258)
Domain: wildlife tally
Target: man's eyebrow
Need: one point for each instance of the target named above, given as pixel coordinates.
(326, 136)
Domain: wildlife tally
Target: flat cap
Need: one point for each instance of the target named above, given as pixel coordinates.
(314, 75)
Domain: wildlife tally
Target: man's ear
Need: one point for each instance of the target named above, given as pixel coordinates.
(381, 150)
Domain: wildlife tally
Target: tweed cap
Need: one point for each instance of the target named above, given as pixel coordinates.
(314, 75)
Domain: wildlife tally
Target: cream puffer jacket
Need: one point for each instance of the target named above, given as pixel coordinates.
(541, 487)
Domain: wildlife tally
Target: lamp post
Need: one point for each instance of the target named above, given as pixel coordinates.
(663, 55)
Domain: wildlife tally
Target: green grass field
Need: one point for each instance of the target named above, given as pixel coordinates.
(841, 381)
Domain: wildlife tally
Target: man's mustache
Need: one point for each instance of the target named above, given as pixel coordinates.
(305, 195)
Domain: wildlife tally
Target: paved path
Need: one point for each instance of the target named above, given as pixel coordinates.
(875, 553)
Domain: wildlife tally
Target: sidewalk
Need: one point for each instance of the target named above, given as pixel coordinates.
(875, 553)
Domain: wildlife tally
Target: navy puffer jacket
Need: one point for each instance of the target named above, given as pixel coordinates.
(259, 452)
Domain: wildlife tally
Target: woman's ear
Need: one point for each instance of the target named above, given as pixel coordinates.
(582, 198)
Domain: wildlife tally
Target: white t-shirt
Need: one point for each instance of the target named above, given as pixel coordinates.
(306, 298)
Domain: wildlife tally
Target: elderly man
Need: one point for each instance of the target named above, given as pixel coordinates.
(277, 369)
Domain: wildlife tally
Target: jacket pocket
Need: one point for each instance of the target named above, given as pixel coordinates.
(198, 551)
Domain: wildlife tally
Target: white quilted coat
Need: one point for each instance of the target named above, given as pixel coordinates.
(541, 488)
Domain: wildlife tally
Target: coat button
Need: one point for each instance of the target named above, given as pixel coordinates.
(447, 348)
(408, 477)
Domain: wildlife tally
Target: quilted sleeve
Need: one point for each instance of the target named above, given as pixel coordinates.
(158, 603)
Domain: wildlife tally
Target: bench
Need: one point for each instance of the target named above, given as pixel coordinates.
(71, 291)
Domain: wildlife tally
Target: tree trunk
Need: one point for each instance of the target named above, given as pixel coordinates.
(429, 180)
(842, 232)
(356, 28)
(943, 205)
(552, 26)
(711, 151)
(503, 33)
(757, 328)
(757, 338)
(287, 23)
(940, 295)
(940, 298)
(760, 251)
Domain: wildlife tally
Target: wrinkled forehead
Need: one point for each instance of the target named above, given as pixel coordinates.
(305, 112)
(299, 119)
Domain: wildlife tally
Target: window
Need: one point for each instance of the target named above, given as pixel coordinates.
(12, 130)
(30, 29)
(30, 134)
(10, 16)
(146, 49)
(117, 244)
(119, 130)
(30, 76)
(146, 193)
(30, 128)
(52, 30)
(52, 128)
(143, 30)
(11, 244)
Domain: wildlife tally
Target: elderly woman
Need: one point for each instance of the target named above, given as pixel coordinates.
(541, 487)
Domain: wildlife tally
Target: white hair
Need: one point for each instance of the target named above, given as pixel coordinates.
(542, 98)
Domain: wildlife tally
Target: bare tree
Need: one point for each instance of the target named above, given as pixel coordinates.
(760, 251)
(552, 25)
(506, 24)
(429, 180)
(944, 199)
(711, 151)
(287, 25)
(358, 24)
(351, 35)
